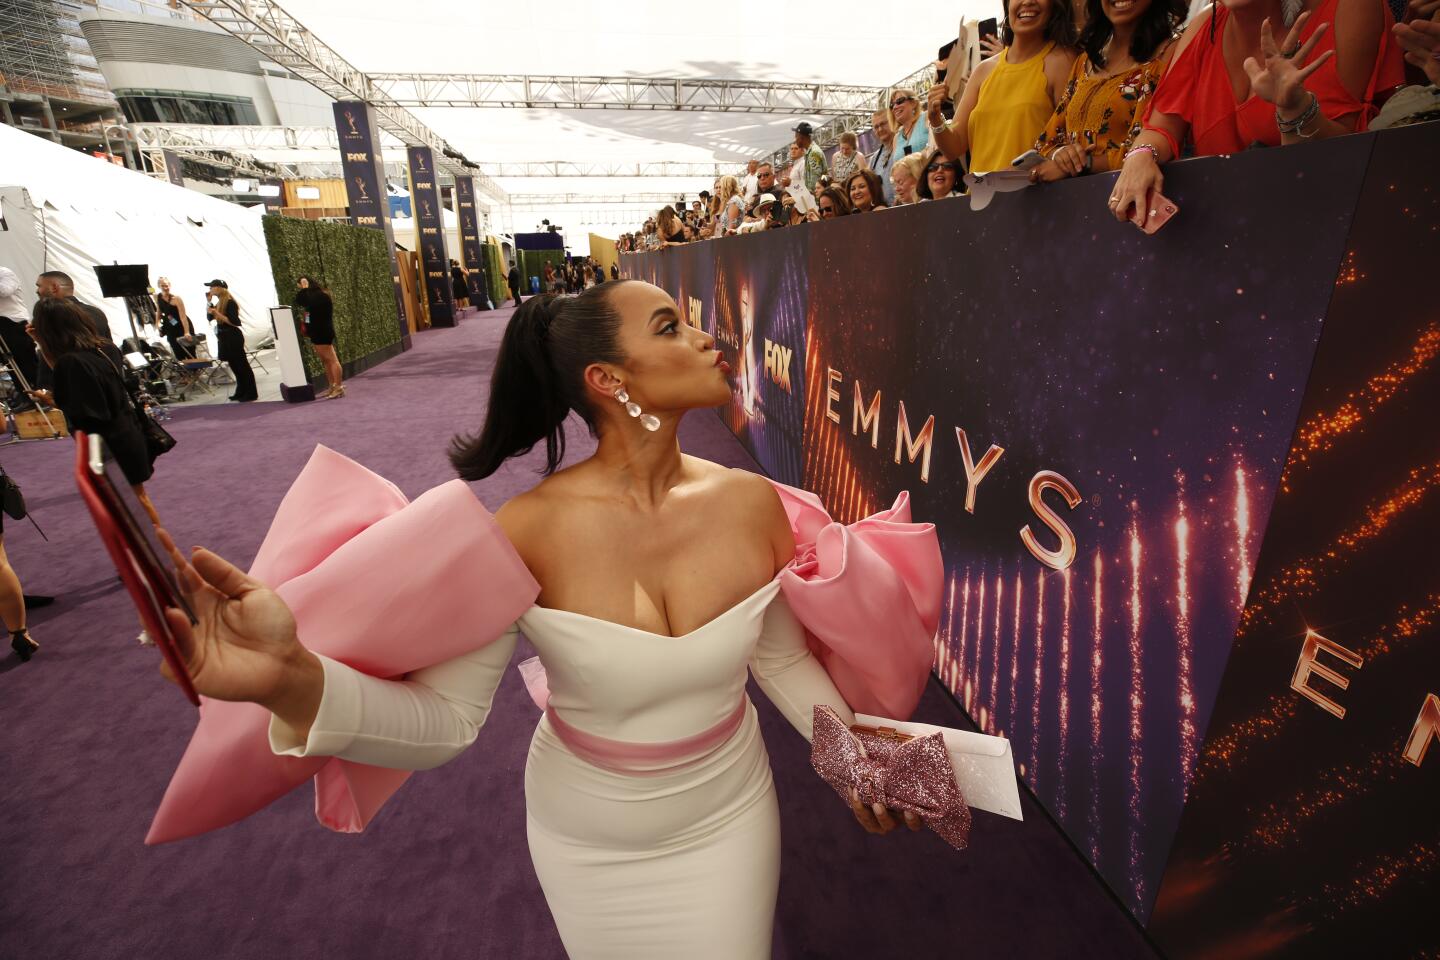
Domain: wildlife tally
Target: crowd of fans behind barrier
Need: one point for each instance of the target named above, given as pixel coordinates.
(1119, 85)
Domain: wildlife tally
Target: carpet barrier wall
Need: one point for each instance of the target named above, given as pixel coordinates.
(353, 262)
(1186, 573)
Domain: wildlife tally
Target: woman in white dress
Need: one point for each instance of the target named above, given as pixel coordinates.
(652, 817)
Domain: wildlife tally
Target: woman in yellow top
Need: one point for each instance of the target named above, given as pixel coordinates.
(1010, 96)
(1125, 48)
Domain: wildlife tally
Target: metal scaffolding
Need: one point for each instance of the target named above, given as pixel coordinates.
(510, 91)
(279, 37)
(610, 168)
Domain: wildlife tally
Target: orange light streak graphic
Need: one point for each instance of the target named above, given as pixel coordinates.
(995, 671)
(1242, 535)
(1015, 659)
(1097, 752)
(1375, 879)
(1137, 873)
(980, 638)
(1320, 433)
(1039, 680)
(964, 629)
(1277, 827)
(1062, 803)
(1185, 643)
(1301, 579)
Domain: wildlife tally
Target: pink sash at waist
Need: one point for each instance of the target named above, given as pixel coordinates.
(646, 759)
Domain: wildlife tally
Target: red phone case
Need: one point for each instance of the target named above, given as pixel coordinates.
(1161, 210)
(148, 588)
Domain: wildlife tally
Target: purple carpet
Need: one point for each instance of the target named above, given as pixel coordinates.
(89, 735)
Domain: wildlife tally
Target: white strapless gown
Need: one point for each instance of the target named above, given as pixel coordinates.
(680, 864)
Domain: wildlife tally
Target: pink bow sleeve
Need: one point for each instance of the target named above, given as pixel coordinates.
(868, 595)
(375, 582)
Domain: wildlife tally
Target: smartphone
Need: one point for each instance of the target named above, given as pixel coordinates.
(1026, 160)
(989, 28)
(1161, 210)
(942, 57)
(129, 538)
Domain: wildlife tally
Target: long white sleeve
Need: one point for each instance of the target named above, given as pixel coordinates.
(788, 672)
(416, 723)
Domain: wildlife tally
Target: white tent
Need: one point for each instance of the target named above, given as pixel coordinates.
(67, 211)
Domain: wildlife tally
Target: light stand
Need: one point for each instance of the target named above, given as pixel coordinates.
(7, 359)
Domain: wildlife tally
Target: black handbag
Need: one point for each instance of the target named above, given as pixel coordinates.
(12, 501)
(157, 439)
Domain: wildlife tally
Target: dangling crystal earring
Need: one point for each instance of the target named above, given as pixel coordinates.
(647, 420)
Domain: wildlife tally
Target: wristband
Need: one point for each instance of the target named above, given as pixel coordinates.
(942, 125)
(1154, 154)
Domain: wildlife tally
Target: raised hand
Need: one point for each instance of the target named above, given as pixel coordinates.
(243, 645)
(991, 46)
(1279, 79)
(934, 104)
(1420, 39)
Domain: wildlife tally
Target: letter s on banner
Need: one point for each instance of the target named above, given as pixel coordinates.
(1063, 557)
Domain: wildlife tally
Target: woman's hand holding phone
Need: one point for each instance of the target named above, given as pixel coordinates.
(243, 645)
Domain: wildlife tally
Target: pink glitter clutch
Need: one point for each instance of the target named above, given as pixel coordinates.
(896, 769)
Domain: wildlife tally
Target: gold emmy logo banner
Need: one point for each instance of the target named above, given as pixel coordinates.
(364, 177)
(472, 254)
(429, 217)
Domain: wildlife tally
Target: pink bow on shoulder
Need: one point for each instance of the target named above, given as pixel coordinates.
(869, 596)
(915, 776)
(378, 583)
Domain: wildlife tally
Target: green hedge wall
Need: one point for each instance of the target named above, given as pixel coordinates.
(496, 274)
(355, 265)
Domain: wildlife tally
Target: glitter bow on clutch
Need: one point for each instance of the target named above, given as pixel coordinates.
(900, 771)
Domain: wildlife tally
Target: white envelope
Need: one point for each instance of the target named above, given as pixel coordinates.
(984, 765)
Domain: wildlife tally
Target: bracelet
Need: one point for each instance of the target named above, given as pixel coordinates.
(1306, 115)
(1154, 154)
(943, 124)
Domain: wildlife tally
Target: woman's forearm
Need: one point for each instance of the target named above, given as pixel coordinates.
(298, 701)
(951, 140)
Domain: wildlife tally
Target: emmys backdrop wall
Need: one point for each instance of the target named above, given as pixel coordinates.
(1096, 420)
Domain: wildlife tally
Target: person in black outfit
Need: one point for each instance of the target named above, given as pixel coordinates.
(614, 271)
(230, 340)
(458, 285)
(314, 299)
(174, 322)
(53, 284)
(513, 279)
(90, 389)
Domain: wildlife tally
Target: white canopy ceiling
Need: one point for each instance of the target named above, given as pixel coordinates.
(841, 42)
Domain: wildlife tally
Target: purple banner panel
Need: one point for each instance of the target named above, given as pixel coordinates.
(429, 217)
(364, 174)
(472, 250)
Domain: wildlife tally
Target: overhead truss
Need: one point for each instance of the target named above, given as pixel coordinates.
(610, 168)
(511, 91)
(542, 200)
(280, 38)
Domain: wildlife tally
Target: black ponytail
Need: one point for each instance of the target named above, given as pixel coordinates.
(539, 378)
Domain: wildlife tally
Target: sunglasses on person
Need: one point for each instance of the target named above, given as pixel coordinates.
(951, 166)
(900, 102)
(827, 210)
